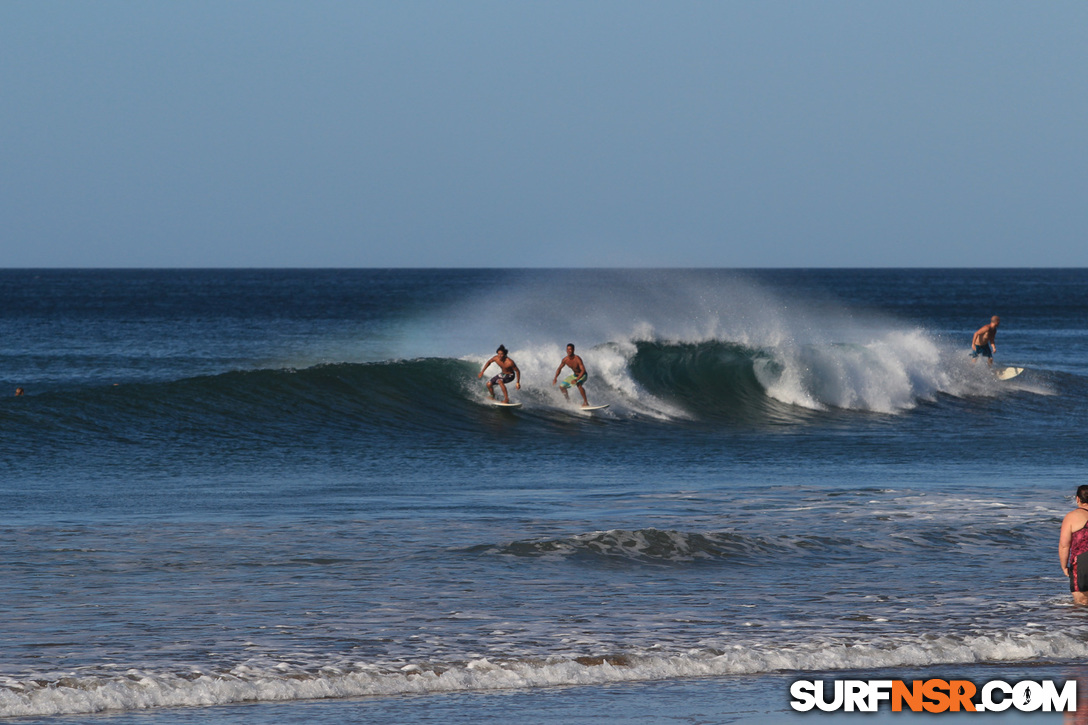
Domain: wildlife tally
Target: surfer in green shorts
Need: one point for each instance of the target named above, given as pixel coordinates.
(577, 367)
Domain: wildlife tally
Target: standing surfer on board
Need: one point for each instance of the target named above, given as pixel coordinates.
(983, 343)
(577, 367)
(1072, 545)
(507, 372)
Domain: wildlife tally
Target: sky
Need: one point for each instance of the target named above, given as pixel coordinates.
(402, 133)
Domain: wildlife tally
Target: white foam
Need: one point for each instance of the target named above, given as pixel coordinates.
(136, 689)
(888, 374)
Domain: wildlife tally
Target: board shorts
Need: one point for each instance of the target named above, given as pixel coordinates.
(1078, 576)
(502, 378)
(983, 350)
(572, 380)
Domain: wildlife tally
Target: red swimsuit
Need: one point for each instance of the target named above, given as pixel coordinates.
(1078, 544)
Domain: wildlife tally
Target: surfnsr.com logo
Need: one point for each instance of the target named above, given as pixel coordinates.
(933, 696)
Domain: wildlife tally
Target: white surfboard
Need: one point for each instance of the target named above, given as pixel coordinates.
(501, 404)
(1008, 373)
(591, 408)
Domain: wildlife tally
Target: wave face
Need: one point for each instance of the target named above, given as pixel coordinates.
(260, 404)
(724, 379)
(711, 379)
(711, 382)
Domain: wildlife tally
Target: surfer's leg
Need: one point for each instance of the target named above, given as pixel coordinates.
(563, 385)
(1080, 598)
(505, 395)
(585, 400)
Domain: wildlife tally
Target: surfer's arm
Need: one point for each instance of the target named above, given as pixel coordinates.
(485, 367)
(1064, 542)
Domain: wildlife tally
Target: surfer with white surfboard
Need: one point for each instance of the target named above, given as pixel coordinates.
(984, 342)
(578, 368)
(508, 372)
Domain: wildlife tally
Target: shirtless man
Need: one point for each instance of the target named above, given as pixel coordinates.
(577, 367)
(507, 372)
(1073, 544)
(983, 343)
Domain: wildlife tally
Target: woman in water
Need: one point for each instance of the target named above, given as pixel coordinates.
(1073, 544)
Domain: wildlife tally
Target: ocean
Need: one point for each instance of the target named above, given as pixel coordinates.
(273, 496)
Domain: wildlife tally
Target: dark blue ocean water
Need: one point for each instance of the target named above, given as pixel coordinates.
(278, 486)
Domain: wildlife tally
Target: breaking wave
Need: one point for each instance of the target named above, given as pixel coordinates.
(710, 381)
(135, 689)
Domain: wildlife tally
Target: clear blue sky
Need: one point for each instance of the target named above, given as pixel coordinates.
(558, 133)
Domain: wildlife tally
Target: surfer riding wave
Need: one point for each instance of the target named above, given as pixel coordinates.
(508, 372)
(577, 378)
(984, 342)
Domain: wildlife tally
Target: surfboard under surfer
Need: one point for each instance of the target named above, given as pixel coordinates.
(577, 367)
(983, 343)
(508, 372)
